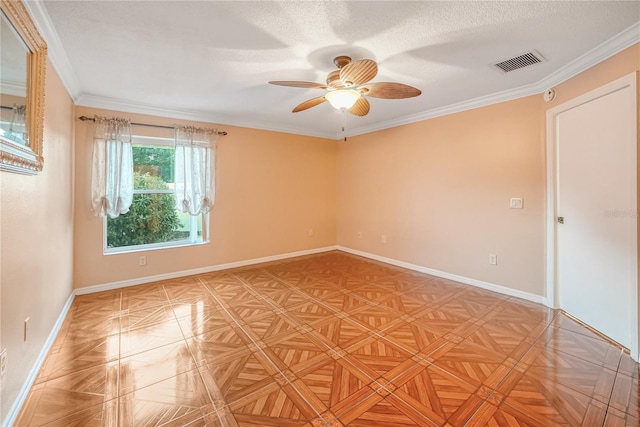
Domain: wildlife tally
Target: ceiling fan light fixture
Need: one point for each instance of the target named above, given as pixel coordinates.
(349, 87)
(342, 98)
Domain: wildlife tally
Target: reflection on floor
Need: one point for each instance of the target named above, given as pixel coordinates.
(326, 340)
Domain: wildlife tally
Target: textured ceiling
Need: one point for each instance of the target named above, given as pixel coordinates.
(213, 59)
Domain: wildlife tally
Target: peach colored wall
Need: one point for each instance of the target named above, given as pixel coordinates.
(36, 243)
(439, 190)
(271, 188)
(607, 71)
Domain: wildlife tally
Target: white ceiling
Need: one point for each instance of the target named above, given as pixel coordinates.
(211, 60)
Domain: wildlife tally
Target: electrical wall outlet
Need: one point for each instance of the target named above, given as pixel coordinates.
(142, 261)
(3, 362)
(493, 259)
(383, 239)
(26, 328)
(359, 234)
(310, 232)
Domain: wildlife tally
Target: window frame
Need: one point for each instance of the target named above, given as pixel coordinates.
(159, 141)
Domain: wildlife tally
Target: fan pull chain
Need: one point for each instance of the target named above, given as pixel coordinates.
(344, 123)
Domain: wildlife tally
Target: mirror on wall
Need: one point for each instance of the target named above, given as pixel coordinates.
(22, 61)
(13, 83)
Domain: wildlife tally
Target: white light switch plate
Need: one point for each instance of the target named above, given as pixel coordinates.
(516, 203)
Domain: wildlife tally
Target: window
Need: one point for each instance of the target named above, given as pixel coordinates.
(153, 220)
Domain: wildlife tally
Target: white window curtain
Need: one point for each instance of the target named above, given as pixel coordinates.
(112, 168)
(195, 174)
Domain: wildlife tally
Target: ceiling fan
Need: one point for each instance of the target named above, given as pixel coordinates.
(348, 85)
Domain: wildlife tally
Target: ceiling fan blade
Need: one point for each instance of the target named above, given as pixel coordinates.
(359, 72)
(389, 90)
(305, 85)
(333, 80)
(361, 107)
(310, 103)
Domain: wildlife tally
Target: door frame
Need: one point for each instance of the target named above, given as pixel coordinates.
(551, 298)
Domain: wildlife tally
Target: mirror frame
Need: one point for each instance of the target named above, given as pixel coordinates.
(15, 157)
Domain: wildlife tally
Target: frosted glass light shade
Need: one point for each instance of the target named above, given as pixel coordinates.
(342, 98)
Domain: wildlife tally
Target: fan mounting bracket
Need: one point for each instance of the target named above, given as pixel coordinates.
(341, 61)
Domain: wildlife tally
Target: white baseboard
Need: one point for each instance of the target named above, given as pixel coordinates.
(466, 280)
(24, 391)
(209, 269)
(33, 373)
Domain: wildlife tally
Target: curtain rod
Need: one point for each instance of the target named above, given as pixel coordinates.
(91, 119)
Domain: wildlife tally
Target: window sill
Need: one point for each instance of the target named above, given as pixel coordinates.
(151, 247)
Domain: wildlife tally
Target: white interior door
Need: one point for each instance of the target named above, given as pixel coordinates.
(596, 195)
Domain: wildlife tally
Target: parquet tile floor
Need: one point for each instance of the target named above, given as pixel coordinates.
(326, 340)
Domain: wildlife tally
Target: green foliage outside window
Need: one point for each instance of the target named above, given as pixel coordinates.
(159, 158)
(152, 218)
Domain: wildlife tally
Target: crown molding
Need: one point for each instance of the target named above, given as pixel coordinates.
(13, 88)
(616, 44)
(483, 101)
(56, 53)
(60, 61)
(253, 124)
(606, 50)
(115, 104)
(260, 125)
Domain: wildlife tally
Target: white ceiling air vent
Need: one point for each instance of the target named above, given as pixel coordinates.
(524, 60)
